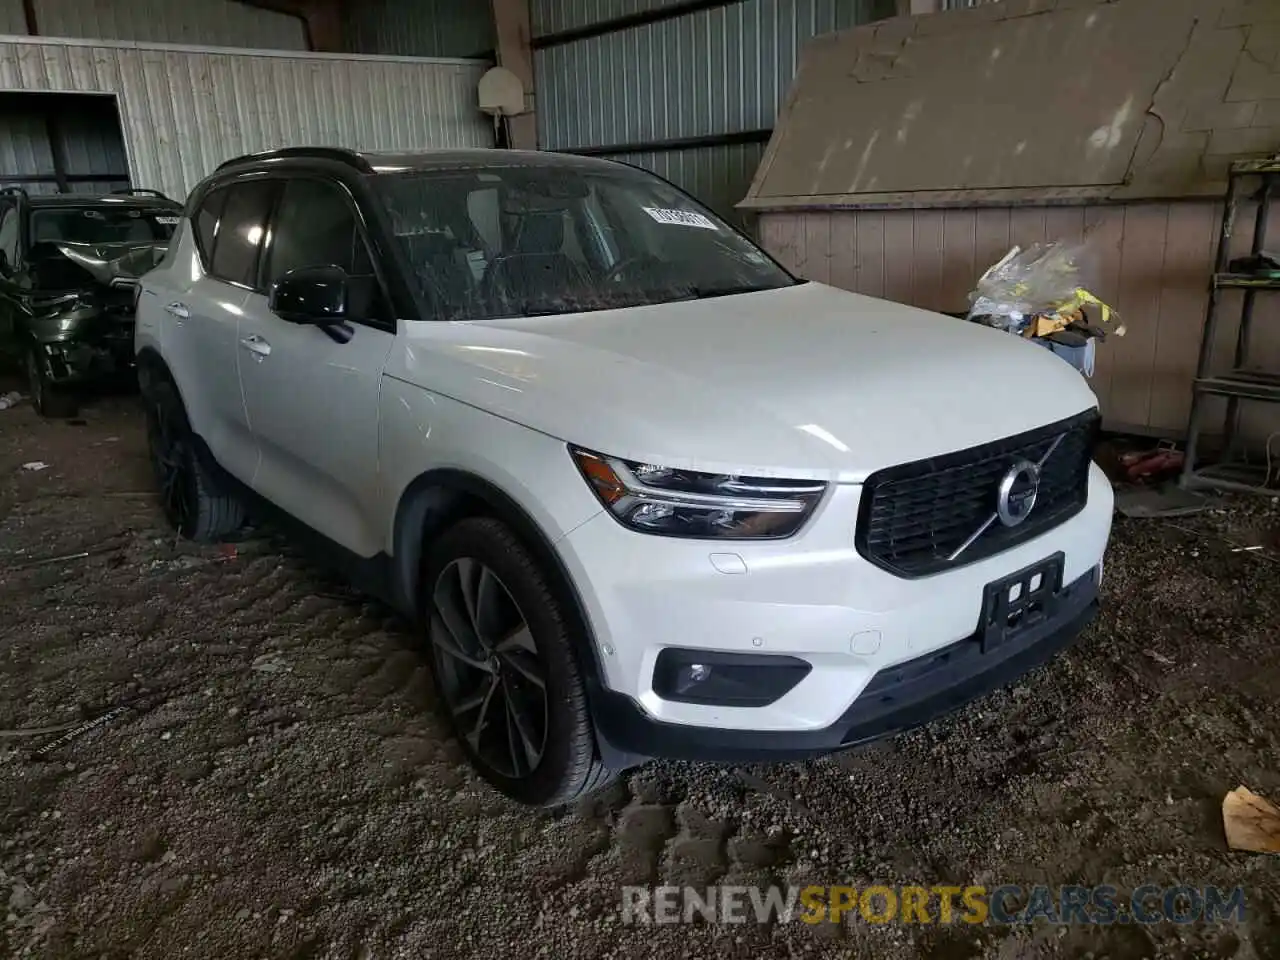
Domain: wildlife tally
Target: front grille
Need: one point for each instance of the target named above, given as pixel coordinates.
(915, 516)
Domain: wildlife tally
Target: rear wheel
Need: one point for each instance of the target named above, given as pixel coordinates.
(48, 399)
(505, 668)
(189, 494)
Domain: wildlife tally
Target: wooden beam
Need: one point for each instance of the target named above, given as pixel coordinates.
(322, 19)
(515, 52)
(53, 129)
(324, 26)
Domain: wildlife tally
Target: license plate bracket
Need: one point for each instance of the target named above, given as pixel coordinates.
(1020, 601)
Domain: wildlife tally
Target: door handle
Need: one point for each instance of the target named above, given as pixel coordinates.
(179, 310)
(256, 345)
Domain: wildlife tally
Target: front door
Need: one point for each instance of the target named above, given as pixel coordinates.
(313, 402)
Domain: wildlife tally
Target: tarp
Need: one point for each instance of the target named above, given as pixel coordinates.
(1029, 100)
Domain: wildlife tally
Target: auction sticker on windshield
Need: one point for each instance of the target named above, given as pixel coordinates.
(680, 218)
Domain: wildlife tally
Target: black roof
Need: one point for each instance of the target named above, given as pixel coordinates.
(454, 159)
(131, 201)
(403, 162)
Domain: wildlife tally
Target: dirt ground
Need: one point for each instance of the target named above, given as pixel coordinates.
(282, 788)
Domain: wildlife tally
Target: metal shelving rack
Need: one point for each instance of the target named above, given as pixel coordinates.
(1242, 381)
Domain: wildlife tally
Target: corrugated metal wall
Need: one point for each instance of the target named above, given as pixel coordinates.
(717, 71)
(87, 132)
(1151, 261)
(184, 110)
(24, 145)
(93, 142)
(425, 28)
(25, 150)
(205, 22)
(718, 176)
(552, 16)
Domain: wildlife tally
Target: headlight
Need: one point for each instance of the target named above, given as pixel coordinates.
(687, 503)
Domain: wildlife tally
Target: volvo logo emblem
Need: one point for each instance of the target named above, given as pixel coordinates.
(1016, 495)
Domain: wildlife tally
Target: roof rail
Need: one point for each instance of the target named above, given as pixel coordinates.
(134, 192)
(339, 154)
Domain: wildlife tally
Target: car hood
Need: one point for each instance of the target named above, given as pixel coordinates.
(114, 264)
(805, 381)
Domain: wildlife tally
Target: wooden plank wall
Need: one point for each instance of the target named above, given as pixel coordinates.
(1151, 261)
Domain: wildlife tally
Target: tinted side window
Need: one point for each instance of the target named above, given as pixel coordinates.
(315, 227)
(240, 231)
(206, 222)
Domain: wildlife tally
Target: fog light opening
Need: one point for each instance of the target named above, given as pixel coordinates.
(725, 679)
(690, 676)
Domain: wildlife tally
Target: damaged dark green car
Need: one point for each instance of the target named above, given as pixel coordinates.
(69, 269)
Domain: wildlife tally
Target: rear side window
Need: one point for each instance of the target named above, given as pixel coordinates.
(206, 223)
(240, 231)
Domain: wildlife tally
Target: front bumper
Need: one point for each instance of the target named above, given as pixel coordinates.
(814, 598)
(897, 699)
(80, 361)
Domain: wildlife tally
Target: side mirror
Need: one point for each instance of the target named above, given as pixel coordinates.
(316, 296)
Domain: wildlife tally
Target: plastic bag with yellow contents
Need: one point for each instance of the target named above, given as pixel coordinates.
(1038, 293)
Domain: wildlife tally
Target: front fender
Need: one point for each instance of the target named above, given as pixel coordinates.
(76, 322)
(421, 431)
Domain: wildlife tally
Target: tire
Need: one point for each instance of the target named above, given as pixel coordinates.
(48, 398)
(520, 632)
(193, 503)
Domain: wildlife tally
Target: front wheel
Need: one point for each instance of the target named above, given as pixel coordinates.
(504, 666)
(189, 494)
(48, 399)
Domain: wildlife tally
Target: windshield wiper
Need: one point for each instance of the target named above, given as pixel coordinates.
(701, 293)
(527, 308)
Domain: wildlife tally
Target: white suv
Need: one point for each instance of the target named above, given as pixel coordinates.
(647, 493)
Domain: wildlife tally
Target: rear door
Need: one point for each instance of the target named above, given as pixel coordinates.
(312, 402)
(199, 299)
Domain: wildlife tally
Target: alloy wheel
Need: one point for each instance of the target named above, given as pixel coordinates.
(35, 380)
(489, 668)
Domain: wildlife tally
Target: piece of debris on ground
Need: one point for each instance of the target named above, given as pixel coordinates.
(1251, 822)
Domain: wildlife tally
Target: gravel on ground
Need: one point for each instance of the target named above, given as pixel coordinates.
(278, 785)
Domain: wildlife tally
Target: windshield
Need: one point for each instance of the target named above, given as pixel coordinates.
(95, 225)
(528, 241)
